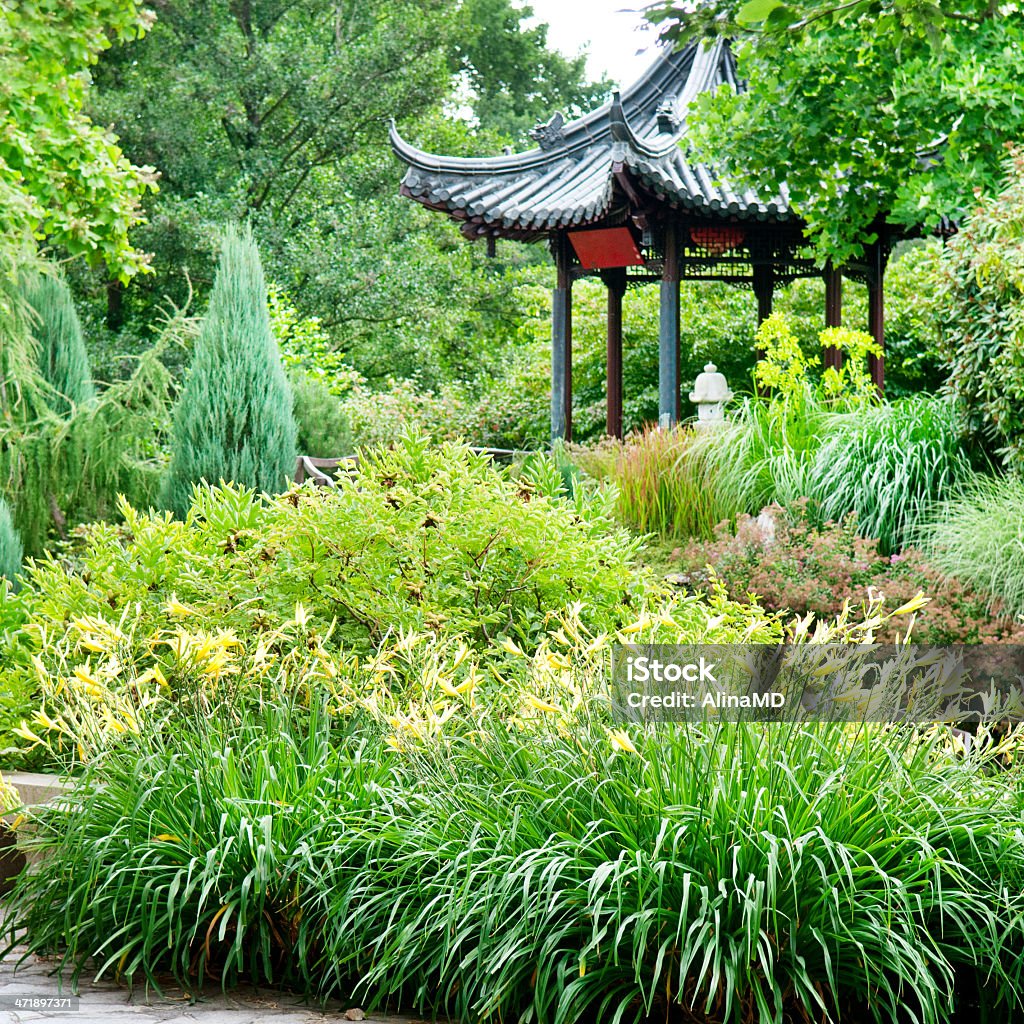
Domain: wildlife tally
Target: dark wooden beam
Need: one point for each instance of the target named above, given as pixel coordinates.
(833, 311)
(615, 281)
(561, 341)
(668, 332)
(764, 289)
(876, 317)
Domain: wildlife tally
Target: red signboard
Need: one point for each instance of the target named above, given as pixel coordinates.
(603, 248)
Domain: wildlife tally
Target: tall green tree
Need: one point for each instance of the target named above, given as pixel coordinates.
(864, 108)
(63, 179)
(277, 113)
(233, 420)
(515, 77)
(63, 360)
(983, 331)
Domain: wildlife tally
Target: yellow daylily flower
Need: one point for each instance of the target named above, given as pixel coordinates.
(542, 705)
(176, 609)
(620, 740)
(27, 734)
(916, 603)
(635, 627)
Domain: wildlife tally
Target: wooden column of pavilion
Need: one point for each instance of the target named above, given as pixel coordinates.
(615, 282)
(615, 195)
(877, 256)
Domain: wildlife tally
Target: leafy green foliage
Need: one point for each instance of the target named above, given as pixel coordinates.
(785, 368)
(978, 536)
(322, 425)
(864, 110)
(277, 114)
(63, 361)
(234, 420)
(63, 178)
(915, 314)
(10, 545)
(983, 324)
(416, 538)
(860, 870)
(306, 349)
(795, 566)
(515, 77)
(888, 465)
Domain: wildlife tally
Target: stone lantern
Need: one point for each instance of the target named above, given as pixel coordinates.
(710, 393)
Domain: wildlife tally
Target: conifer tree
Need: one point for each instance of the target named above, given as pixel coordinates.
(63, 360)
(10, 544)
(233, 420)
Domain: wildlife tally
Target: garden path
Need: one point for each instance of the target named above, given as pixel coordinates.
(109, 1003)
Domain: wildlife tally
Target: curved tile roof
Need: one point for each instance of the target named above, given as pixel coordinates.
(574, 176)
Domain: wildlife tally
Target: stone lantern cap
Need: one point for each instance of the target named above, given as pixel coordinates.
(710, 386)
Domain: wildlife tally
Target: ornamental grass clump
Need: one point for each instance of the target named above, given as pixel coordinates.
(663, 481)
(978, 537)
(567, 871)
(888, 465)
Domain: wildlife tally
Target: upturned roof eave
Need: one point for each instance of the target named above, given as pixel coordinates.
(587, 130)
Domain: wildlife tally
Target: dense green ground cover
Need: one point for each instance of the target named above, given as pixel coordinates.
(562, 872)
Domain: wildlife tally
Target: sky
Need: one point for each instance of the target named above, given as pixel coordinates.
(612, 31)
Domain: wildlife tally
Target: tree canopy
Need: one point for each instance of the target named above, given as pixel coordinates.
(276, 113)
(63, 179)
(864, 108)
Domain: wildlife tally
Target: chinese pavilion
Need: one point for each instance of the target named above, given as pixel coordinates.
(614, 195)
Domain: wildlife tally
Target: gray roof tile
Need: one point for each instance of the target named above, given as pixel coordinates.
(573, 182)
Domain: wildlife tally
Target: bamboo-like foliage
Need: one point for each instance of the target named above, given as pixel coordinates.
(63, 361)
(234, 420)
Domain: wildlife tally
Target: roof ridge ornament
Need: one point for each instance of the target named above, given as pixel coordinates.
(668, 118)
(549, 134)
(617, 120)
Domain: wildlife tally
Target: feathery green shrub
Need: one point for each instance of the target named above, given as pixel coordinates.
(416, 538)
(978, 537)
(322, 425)
(63, 361)
(233, 421)
(11, 550)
